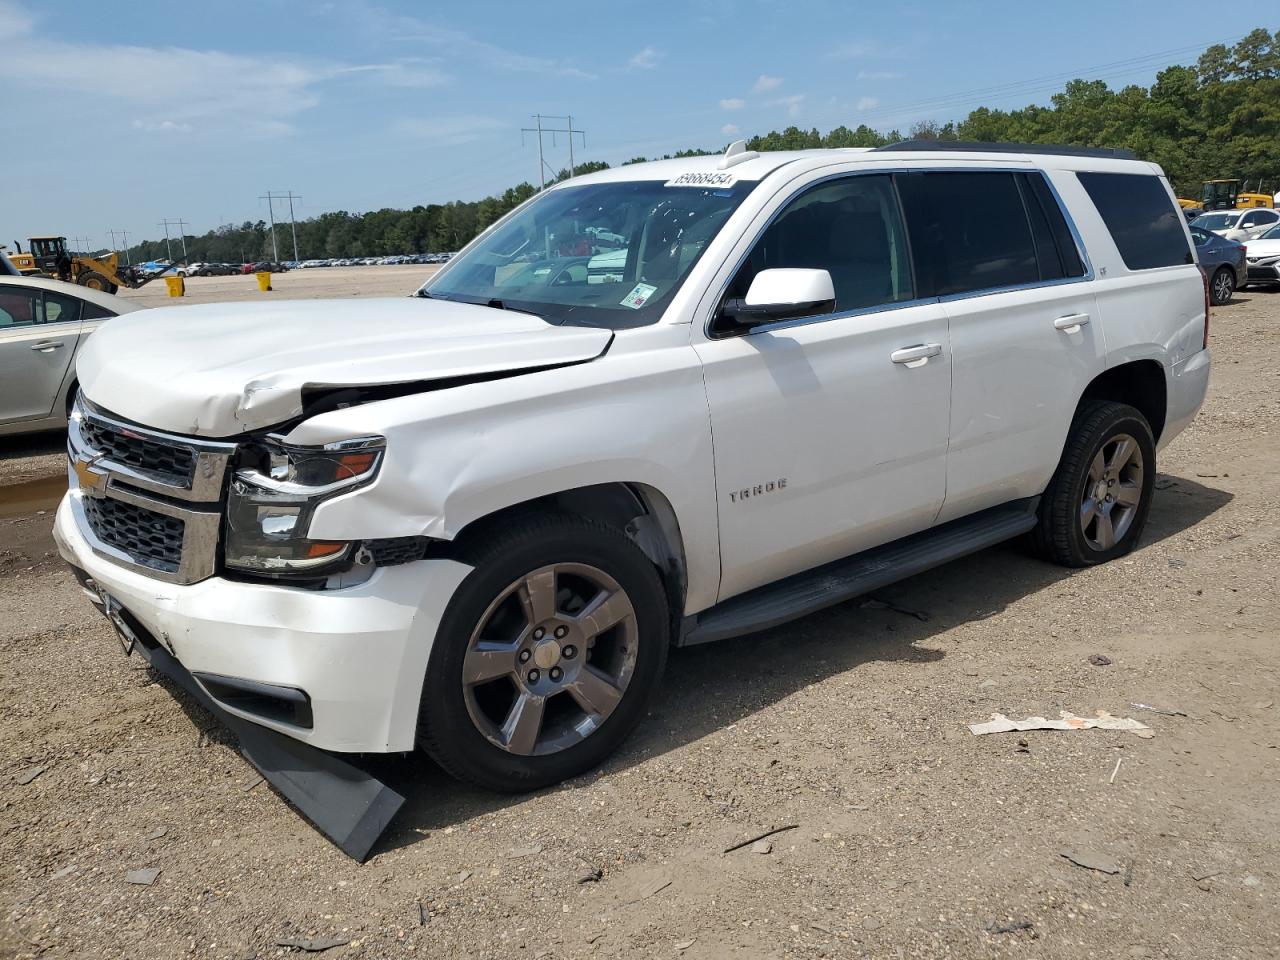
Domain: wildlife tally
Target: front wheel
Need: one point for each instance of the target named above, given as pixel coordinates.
(1222, 286)
(1096, 505)
(546, 655)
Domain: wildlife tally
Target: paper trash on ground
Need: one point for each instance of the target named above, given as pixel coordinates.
(999, 723)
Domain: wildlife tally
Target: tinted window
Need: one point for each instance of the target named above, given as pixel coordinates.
(59, 308)
(1144, 222)
(94, 312)
(969, 231)
(851, 229)
(19, 306)
(1199, 237)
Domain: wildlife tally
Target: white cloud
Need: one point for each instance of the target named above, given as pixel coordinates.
(868, 103)
(164, 126)
(793, 104)
(646, 59)
(732, 103)
(413, 73)
(448, 130)
(854, 50)
(729, 129)
(14, 22)
(764, 83)
(878, 75)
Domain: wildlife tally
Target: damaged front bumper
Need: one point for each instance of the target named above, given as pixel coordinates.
(299, 675)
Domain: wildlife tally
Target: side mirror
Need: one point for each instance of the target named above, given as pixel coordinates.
(783, 293)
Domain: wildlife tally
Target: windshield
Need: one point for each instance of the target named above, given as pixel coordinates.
(1217, 221)
(1272, 234)
(603, 254)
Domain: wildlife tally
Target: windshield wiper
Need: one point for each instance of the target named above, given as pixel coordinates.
(499, 305)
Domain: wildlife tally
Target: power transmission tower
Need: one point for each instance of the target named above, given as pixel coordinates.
(81, 244)
(540, 130)
(181, 225)
(125, 234)
(271, 197)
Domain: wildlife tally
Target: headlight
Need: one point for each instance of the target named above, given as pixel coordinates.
(274, 494)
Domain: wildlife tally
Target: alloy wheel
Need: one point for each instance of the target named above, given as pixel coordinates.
(550, 659)
(1112, 492)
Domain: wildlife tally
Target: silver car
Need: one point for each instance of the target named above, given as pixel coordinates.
(43, 323)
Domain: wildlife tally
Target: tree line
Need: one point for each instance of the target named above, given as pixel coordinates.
(1218, 118)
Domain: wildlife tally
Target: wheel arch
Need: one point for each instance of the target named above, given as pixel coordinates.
(1142, 384)
(641, 511)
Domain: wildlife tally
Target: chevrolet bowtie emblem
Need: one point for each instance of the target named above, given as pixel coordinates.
(89, 479)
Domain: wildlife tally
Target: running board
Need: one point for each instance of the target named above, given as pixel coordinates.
(845, 579)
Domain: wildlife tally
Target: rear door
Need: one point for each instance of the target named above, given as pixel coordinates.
(38, 334)
(995, 247)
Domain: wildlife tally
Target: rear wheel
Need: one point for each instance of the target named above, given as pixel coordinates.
(1222, 286)
(546, 655)
(1096, 505)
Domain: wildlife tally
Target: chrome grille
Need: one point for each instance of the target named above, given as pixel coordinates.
(128, 447)
(144, 498)
(150, 538)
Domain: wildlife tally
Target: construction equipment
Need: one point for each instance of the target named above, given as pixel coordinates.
(48, 256)
(1226, 195)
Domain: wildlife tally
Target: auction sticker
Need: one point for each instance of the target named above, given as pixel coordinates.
(713, 178)
(638, 296)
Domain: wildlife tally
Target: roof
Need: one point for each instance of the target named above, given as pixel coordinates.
(108, 301)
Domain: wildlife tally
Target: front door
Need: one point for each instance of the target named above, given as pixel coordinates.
(38, 334)
(828, 438)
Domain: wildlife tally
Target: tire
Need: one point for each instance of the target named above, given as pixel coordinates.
(93, 280)
(1074, 517)
(475, 691)
(1221, 286)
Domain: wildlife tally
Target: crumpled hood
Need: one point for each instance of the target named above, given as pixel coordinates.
(220, 369)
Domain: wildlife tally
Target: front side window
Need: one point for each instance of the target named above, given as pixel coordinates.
(19, 307)
(1145, 223)
(969, 231)
(603, 254)
(1200, 237)
(848, 227)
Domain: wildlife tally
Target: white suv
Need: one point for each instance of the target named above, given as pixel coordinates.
(473, 521)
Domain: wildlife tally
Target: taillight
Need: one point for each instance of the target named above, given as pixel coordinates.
(1204, 275)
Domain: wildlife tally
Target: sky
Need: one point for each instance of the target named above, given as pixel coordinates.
(119, 116)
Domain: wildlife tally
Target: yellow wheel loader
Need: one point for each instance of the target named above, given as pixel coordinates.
(48, 256)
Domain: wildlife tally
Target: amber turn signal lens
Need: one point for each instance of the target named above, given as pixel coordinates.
(317, 550)
(354, 464)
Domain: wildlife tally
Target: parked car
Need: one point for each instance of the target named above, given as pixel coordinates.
(474, 521)
(1238, 224)
(1224, 262)
(260, 266)
(1262, 257)
(43, 324)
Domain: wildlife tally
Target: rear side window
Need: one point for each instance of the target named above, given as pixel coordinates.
(1144, 222)
(984, 231)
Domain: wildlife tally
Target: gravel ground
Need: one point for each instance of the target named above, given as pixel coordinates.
(911, 837)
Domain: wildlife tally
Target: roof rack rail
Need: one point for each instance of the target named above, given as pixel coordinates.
(975, 146)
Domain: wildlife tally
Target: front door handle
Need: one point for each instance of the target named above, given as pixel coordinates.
(46, 346)
(1071, 322)
(921, 351)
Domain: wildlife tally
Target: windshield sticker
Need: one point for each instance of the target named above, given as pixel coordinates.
(638, 296)
(713, 179)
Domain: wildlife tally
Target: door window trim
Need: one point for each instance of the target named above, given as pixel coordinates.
(709, 321)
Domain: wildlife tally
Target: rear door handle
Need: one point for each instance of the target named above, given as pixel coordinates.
(1071, 322)
(45, 346)
(921, 351)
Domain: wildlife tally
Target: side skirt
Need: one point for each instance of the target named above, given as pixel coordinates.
(842, 580)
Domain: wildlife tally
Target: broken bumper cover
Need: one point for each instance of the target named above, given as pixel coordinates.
(358, 654)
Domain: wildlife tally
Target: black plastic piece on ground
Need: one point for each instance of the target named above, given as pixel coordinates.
(842, 580)
(346, 804)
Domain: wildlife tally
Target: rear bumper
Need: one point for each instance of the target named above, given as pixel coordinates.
(1187, 389)
(357, 655)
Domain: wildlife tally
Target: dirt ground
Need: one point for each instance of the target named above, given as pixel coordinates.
(313, 283)
(911, 837)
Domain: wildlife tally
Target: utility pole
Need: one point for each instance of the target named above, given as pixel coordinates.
(125, 234)
(181, 225)
(271, 197)
(540, 130)
(81, 244)
(271, 215)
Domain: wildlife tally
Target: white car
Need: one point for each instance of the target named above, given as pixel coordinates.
(1262, 257)
(1240, 225)
(475, 520)
(43, 323)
